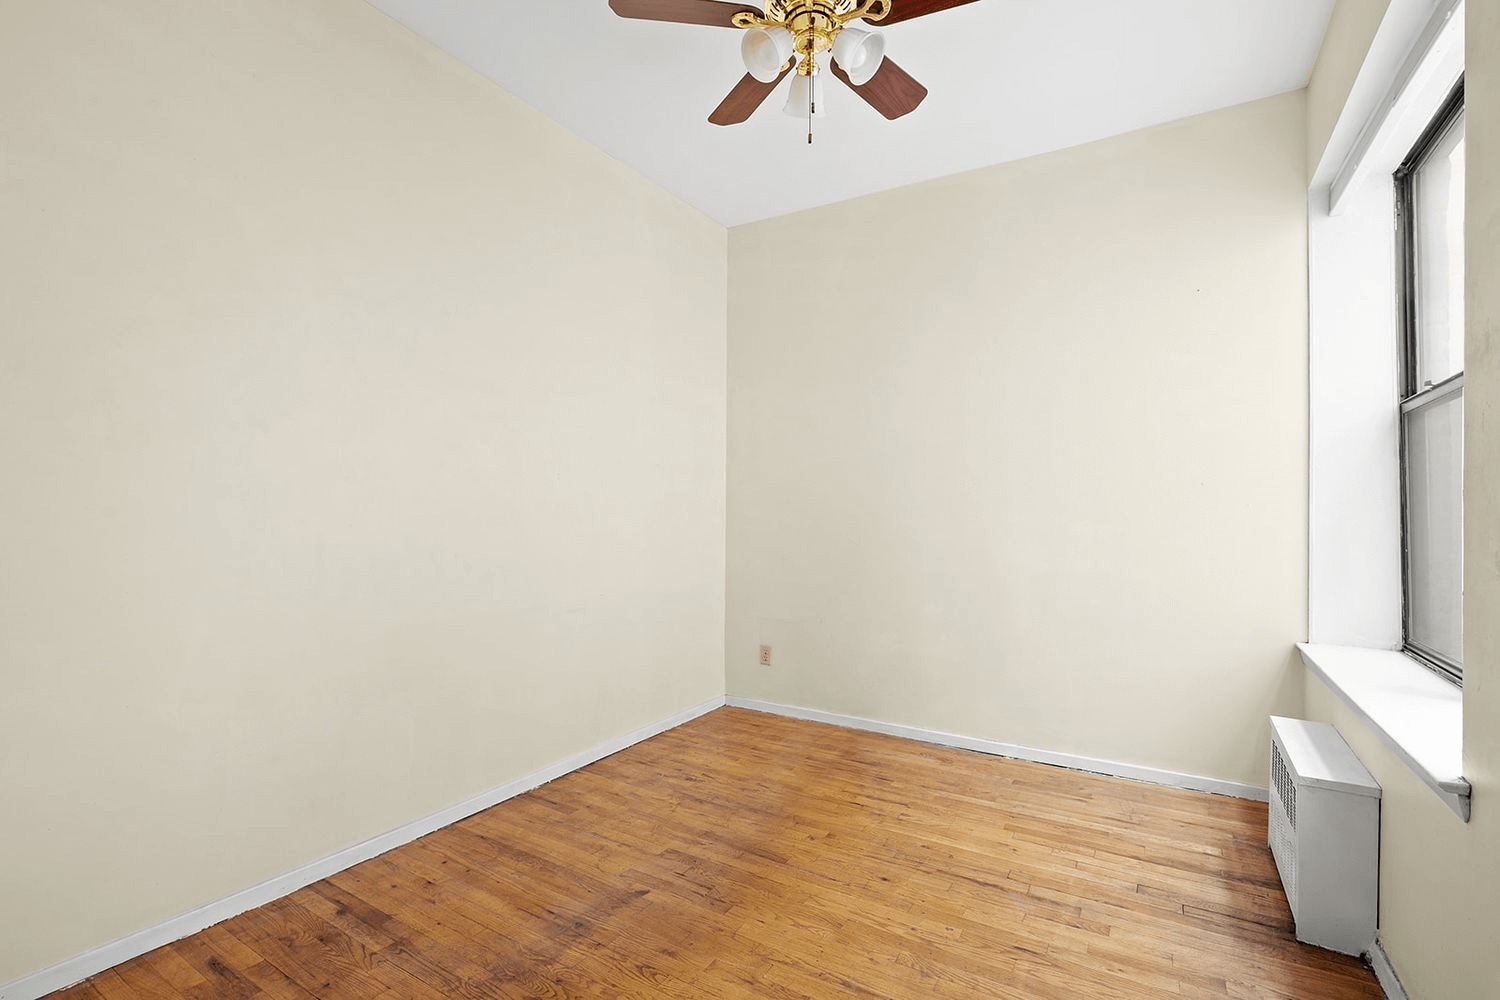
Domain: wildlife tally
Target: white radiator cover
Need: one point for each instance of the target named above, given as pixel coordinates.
(1325, 835)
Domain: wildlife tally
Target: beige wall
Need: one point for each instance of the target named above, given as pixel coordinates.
(1351, 29)
(363, 448)
(1478, 872)
(1038, 474)
(1440, 877)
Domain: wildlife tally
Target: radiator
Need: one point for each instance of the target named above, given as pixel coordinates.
(1324, 832)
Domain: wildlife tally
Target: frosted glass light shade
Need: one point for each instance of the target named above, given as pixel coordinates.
(859, 54)
(805, 89)
(764, 50)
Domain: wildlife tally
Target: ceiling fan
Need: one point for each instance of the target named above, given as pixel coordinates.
(787, 35)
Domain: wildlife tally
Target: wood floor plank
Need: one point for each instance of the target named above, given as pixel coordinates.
(146, 982)
(112, 987)
(180, 976)
(744, 855)
(220, 980)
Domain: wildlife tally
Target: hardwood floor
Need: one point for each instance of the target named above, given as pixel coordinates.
(746, 855)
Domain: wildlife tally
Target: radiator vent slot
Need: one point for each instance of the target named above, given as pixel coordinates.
(1285, 787)
(1329, 862)
(1282, 819)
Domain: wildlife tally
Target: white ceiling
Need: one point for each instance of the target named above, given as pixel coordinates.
(1007, 79)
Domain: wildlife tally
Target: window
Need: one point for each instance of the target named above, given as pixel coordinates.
(1430, 252)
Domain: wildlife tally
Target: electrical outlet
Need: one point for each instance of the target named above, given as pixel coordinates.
(765, 656)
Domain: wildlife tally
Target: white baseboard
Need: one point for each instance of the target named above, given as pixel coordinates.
(1095, 765)
(96, 960)
(1385, 973)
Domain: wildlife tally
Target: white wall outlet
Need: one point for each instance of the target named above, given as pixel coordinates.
(765, 656)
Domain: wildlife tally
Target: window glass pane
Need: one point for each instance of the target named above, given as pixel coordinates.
(1434, 526)
(1438, 205)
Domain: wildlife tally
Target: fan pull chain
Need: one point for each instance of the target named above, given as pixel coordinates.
(812, 101)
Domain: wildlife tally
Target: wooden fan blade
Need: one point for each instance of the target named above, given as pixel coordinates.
(742, 101)
(905, 10)
(891, 91)
(709, 12)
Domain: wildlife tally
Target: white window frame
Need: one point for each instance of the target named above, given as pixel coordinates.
(1355, 634)
(1417, 398)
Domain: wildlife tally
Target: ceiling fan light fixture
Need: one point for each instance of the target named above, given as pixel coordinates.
(765, 51)
(785, 37)
(807, 92)
(859, 54)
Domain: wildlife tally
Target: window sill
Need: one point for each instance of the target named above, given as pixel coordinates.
(1418, 714)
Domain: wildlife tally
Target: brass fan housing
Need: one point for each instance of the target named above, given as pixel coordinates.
(781, 10)
(813, 24)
